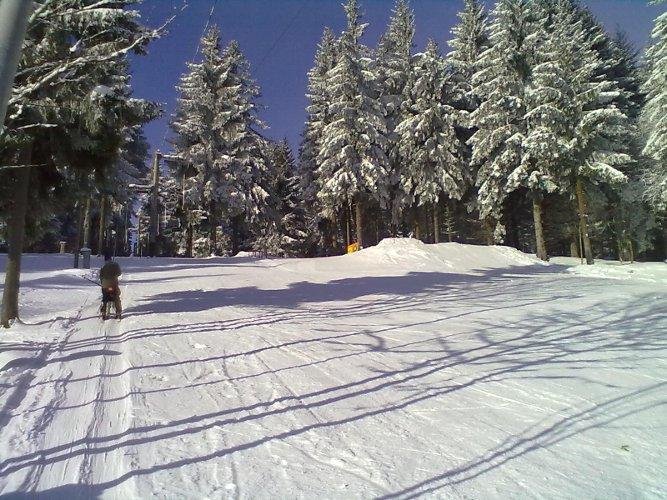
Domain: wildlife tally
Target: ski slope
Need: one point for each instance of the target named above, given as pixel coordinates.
(404, 370)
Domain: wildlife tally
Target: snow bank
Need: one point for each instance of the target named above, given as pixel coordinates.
(409, 252)
(652, 272)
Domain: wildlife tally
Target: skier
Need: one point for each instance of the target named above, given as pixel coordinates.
(110, 290)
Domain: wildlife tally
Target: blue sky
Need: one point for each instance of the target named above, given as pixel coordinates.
(279, 38)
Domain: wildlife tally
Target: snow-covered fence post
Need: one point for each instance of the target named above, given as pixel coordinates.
(13, 24)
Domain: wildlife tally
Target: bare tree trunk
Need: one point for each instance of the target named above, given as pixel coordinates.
(126, 235)
(574, 248)
(86, 224)
(583, 221)
(631, 248)
(102, 234)
(448, 214)
(359, 215)
(539, 230)
(213, 235)
(189, 240)
(488, 231)
(348, 216)
(79, 230)
(15, 238)
(436, 223)
(416, 222)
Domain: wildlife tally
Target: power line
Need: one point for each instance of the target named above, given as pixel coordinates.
(282, 35)
(208, 22)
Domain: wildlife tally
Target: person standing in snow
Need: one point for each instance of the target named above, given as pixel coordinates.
(110, 290)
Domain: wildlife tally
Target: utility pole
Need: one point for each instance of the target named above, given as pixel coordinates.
(13, 24)
(155, 213)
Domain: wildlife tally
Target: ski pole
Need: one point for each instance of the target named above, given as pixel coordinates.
(95, 282)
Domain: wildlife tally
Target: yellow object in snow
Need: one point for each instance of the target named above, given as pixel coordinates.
(354, 247)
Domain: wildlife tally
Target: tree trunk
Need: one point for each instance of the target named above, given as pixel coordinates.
(539, 230)
(86, 224)
(213, 235)
(583, 221)
(436, 224)
(416, 222)
(488, 231)
(359, 215)
(348, 216)
(15, 238)
(79, 230)
(126, 235)
(631, 250)
(102, 234)
(189, 241)
(450, 222)
(574, 248)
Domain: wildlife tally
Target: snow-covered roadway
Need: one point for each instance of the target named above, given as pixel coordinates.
(405, 370)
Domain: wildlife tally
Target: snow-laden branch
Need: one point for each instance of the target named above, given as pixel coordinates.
(16, 167)
(52, 75)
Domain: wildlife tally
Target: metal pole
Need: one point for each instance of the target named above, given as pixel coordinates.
(13, 24)
(155, 214)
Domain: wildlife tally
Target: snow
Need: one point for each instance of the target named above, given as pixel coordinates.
(405, 369)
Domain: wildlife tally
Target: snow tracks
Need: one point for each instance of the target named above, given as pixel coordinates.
(63, 408)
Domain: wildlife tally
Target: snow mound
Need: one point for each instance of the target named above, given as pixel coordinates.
(652, 272)
(456, 256)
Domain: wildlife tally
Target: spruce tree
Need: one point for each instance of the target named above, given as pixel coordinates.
(215, 128)
(73, 50)
(283, 231)
(654, 113)
(598, 129)
(393, 68)
(469, 42)
(317, 118)
(353, 165)
(434, 165)
(500, 82)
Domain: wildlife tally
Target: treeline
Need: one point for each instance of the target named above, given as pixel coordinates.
(538, 130)
(72, 141)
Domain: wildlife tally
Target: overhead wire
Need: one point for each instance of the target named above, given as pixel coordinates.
(281, 36)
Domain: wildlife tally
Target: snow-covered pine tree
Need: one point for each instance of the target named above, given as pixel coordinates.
(72, 48)
(470, 41)
(434, 158)
(597, 128)
(500, 82)
(632, 217)
(317, 118)
(546, 105)
(654, 113)
(284, 232)
(353, 165)
(215, 134)
(392, 69)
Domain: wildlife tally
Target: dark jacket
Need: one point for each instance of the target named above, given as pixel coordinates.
(109, 274)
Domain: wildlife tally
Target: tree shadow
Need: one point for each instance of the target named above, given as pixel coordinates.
(575, 342)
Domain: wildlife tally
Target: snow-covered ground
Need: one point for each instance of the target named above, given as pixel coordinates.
(404, 370)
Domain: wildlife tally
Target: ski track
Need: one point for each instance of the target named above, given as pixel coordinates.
(220, 384)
